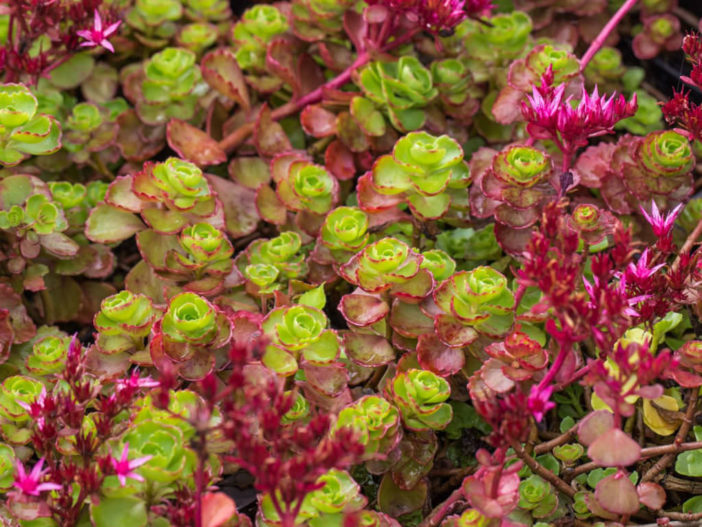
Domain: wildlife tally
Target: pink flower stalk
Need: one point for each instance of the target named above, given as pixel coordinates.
(30, 484)
(549, 116)
(441, 15)
(660, 224)
(125, 468)
(539, 401)
(97, 36)
(478, 7)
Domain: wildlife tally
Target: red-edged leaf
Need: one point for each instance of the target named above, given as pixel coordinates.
(434, 355)
(193, 144)
(269, 206)
(7, 335)
(368, 350)
(221, 71)
(329, 379)
(217, 509)
(318, 122)
(280, 59)
(339, 161)
(651, 494)
(363, 310)
(617, 494)
(269, 136)
(107, 224)
(238, 202)
(396, 502)
(120, 195)
(594, 425)
(614, 448)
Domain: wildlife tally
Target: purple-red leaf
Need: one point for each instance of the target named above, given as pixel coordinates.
(221, 71)
(594, 425)
(614, 448)
(193, 144)
(435, 356)
(617, 494)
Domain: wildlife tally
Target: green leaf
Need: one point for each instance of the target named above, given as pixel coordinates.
(669, 322)
(314, 298)
(119, 511)
(689, 463)
(693, 505)
(108, 224)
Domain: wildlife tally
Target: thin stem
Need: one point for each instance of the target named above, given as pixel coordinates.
(542, 471)
(667, 459)
(556, 366)
(604, 33)
(542, 448)
(439, 513)
(689, 242)
(239, 135)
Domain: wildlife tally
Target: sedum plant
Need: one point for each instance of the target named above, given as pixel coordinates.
(420, 396)
(23, 131)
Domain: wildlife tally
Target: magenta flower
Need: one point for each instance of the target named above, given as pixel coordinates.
(97, 36)
(134, 382)
(441, 15)
(640, 271)
(549, 116)
(539, 401)
(30, 484)
(125, 469)
(661, 225)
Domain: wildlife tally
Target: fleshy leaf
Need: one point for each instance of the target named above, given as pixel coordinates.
(193, 144)
(107, 224)
(614, 448)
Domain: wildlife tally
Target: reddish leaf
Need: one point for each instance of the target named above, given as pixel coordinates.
(280, 60)
(318, 122)
(363, 310)
(397, 502)
(651, 494)
(434, 355)
(339, 161)
(193, 144)
(368, 350)
(617, 494)
(221, 71)
(7, 335)
(614, 448)
(594, 425)
(269, 136)
(217, 509)
(330, 379)
(240, 214)
(269, 206)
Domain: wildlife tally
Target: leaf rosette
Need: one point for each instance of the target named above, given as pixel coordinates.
(302, 185)
(298, 331)
(268, 264)
(478, 299)
(7, 467)
(256, 28)
(511, 185)
(48, 355)
(23, 131)
(420, 396)
(123, 321)
(44, 216)
(401, 89)
(424, 170)
(537, 496)
(344, 232)
(165, 443)
(382, 265)
(376, 423)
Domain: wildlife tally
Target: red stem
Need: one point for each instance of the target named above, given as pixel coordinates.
(234, 139)
(604, 33)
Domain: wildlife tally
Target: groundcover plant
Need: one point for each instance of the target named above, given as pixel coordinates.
(339, 263)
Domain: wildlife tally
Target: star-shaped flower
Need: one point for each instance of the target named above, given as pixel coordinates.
(97, 36)
(660, 224)
(125, 469)
(30, 483)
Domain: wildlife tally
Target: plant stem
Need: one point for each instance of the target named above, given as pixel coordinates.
(689, 242)
(604, 33)
(667, 459)
(230, 142)
(437, 515)
(645, 453)
(542, 471)
(542, 448)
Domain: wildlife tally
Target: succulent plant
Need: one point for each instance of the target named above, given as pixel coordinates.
(7, 467)
(14, 418)
(424, 171)
(124, 320)
(23, 131)
(171, 86)
(302, 185)
(476, 301)
(504, 39)
(420, 396)
(537, 496)
(87, 131)
(344, 232)
(257, 27)
(298, 331)
(197, 37)
(375, 420)
(48, 355)
(154, 20)
(401, 89)
(169, 459)
(207, 10)
(511, 185)
(268, 264)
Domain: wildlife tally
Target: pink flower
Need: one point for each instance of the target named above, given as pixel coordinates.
(97, 36)
(134, 381)
(30, 484)
(549, 116)
(661, 225)
(640, 271)
(125, 468)
(539, 401)
(441, 15)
